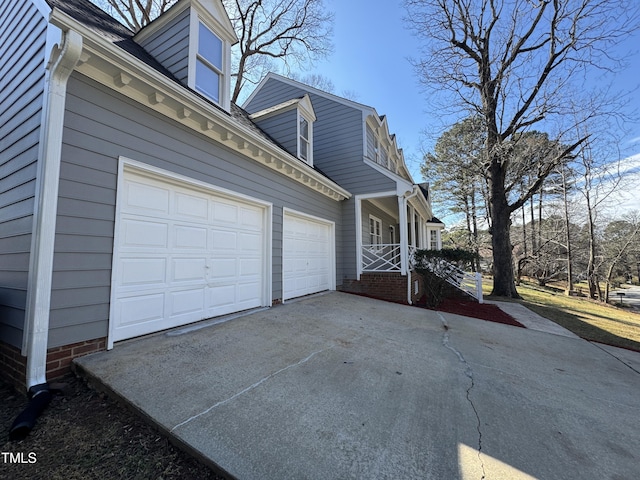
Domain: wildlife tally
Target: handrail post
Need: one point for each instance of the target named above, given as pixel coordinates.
(479, 287)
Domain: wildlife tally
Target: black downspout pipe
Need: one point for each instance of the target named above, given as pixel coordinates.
(40, 396)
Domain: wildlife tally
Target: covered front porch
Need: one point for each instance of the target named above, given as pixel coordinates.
(391, 228)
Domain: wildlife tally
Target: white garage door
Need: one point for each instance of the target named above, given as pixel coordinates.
(307, 257)
(183, 254)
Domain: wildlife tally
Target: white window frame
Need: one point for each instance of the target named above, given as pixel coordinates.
(433, 239)
(219, 71)
(224, 94)
(392, 234)
(301, 139)
(375, 239)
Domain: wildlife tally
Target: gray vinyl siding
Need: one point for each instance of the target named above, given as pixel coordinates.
(387, 221)
(100, 126)
(349, 270)
(21, 99)
(170, 46)
(284, 129)
(338, 142)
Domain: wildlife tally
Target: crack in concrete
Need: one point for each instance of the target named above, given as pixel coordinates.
(469, 374)
(251, 387)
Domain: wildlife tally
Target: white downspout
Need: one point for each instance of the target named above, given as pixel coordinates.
(404, 237)
(61, 64)
(358, 213)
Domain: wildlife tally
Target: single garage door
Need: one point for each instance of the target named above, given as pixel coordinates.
(308, 255)
(183, 253)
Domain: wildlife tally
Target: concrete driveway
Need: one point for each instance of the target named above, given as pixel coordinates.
(338, 386)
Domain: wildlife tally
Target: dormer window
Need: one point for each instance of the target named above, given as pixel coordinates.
(305, 149)
(209, 60)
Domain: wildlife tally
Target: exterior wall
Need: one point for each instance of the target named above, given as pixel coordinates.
(284, 128)
(387, 220)
(337, 137)
(170, 46)
(22, 74)
(100, 126)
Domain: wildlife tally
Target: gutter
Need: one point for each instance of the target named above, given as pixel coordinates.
(62, 61)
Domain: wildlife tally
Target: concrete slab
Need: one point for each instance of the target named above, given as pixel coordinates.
(340, 386)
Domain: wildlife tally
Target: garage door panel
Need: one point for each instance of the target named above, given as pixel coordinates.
(307, 255)
(224, 213)
(250, 267)
(186, 301)
(141, 309)
(195, 207)
(224, 240)
(141, 233)
(223, 268)
(142, 271)
(183, 255)
(189, 237)
(251, 218)
(188, 269)
(145, 198)
(250, 242)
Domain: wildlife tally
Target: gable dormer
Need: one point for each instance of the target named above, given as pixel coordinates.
(193, 41)
(291, 124)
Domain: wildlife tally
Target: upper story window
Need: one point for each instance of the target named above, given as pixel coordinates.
(209, 63)
(305, 148)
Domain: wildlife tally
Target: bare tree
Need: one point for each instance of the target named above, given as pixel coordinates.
(135, 13)
(622, 236)
(511, 63)
(289, 31)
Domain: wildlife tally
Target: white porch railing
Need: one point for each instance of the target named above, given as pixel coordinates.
(381, 258)
(468, 282)
(387, 258)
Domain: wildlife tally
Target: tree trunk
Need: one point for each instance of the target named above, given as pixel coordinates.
(503, 275)
(567, 226)
(592, 276)
(474, 221)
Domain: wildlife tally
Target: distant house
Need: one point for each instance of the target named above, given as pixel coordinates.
(135, 197)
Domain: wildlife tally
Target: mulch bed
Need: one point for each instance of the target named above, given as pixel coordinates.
(483, 311)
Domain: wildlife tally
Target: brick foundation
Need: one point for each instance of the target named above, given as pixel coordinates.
(390, 286)
(13, 366)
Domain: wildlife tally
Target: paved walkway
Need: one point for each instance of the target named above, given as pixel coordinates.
(346, 387)
(532, 320)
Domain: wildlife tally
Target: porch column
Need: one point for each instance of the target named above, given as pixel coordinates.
(404, 234)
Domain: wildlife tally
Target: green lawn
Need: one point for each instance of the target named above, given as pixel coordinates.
(589, 319)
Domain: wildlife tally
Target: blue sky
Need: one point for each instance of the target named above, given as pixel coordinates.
(371, 47)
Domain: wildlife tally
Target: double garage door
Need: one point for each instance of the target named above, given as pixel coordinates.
(184, 253)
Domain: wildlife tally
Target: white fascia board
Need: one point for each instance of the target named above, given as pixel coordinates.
(113, 67)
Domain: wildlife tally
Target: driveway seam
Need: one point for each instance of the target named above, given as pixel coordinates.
(250, 387)
(468, 371)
